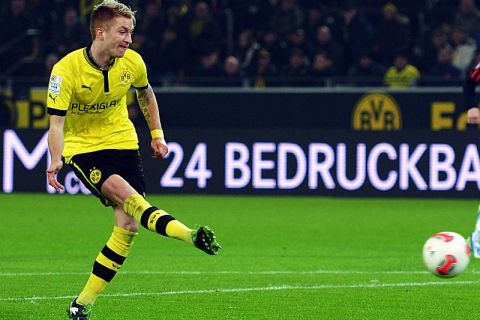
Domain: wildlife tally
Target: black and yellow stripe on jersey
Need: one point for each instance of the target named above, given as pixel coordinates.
(94, 101)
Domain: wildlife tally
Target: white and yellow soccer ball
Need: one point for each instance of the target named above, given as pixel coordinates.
(446, 254)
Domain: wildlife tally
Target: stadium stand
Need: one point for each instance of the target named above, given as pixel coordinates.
(303, 42)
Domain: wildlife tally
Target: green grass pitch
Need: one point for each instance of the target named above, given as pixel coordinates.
(282, 258)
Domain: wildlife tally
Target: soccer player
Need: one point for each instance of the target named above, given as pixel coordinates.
(473, 117)
(90, 132)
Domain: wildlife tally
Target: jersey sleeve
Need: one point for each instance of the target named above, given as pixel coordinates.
(141, 80)
(471, 81)
(59, 91)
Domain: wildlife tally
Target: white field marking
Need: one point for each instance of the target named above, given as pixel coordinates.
(256, 289)
(272, 272)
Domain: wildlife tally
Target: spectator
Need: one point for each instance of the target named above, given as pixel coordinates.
(15, 23)
(317, 15)
(272, 43)
(401, 74)
(366, 71)
(40, 13)
(154, 19)
(209, 72)
(298, 40)
(172, 51)
(463, 49)
(467, 17)
(314, 19)
(71, 35)
(286, 18)
(321, 70)
(232, 73)
(437, 41)
(393, 34)
(152, 24)
(444, 72)
(325, 42)
(357, 32)
(251, 14)
(204, 31)
(294, 73)
(439, 14)
(264, 73)
(246, 49)
(178, 17)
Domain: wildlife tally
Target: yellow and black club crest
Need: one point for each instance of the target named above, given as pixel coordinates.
(125, 76)
(95, 175)
(377, 111)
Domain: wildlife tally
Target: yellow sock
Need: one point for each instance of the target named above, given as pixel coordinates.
(178, 230)
(106, 265)
(155, 219)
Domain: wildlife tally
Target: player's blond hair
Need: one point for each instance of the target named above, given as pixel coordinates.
(105, 11)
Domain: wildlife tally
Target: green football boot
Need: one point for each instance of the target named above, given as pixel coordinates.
(204, 239)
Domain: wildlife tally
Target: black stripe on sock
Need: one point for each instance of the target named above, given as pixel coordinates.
(146, 216)
(161, 225)
(112, 255)
(103, 272)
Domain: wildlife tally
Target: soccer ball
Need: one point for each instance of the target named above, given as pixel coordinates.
(446, 254)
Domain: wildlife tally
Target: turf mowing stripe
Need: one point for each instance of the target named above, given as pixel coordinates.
(24, 274)
(270, 288)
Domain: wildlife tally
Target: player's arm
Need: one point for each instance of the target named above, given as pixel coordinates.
(149, 106)
(55, 146)
(471, 80)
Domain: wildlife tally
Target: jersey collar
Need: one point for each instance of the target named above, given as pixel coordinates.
(89, 58)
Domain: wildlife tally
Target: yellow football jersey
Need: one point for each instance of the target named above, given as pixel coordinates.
(94, 101)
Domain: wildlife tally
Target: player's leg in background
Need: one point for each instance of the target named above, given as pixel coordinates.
(474, 239)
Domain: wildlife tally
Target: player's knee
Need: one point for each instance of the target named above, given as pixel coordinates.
(131, 226)
(124, 221)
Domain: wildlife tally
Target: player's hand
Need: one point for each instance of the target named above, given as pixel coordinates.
(159, 147)
(52, 175)
(473, 115)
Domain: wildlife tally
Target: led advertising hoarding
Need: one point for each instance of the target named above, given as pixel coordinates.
(272, 161)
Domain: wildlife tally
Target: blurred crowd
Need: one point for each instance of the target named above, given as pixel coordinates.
(262, 43)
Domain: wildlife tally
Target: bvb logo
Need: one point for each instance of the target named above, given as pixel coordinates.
(377, 111)
(95, 175)
(125, 77)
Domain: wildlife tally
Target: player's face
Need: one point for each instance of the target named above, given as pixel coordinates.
(119, 37)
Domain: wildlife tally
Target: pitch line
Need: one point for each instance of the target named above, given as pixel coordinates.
(272, 272)
(256, 289)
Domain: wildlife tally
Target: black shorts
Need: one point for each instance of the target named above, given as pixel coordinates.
(95, 167)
